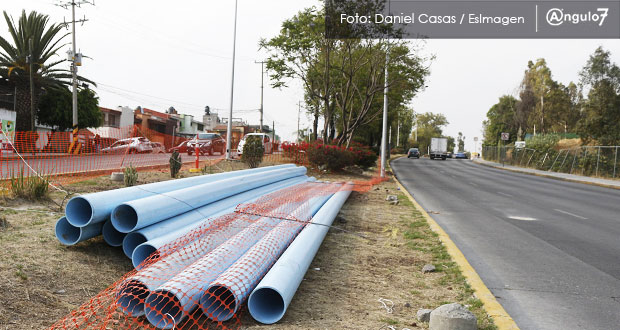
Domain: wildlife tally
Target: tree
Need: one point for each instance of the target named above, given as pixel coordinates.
(601, 111)
(46, 42)
(55, 109)
(343, 79)
(501, 118)
(451, 144)
(461, 142)
(430, 125)
(301, 52)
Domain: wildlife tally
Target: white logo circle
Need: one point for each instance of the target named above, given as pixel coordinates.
(555, 16)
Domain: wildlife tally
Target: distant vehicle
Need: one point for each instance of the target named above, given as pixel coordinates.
(439, 148)
(130, 146)
(460, 155)
(267, 144)
(207, 143)
(158, 148)
(181, 148)
(413, 152)
(449, 155)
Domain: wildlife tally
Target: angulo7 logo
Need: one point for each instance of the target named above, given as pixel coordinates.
(557, 16)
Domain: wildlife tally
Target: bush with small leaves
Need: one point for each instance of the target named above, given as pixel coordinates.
(253, 151)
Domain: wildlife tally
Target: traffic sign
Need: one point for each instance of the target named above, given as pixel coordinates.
(505, 136)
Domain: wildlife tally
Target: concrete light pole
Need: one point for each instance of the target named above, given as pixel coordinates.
(232, 89)
(262, 75)
(385, 117)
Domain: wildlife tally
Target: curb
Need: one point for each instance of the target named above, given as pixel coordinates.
(501, 319)
(549, 176)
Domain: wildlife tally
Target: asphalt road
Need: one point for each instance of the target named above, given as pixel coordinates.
(549, 250)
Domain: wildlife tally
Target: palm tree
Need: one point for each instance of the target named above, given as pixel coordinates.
(32, 29)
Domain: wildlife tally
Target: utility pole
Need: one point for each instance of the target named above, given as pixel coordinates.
(385, 117)
(232, 88)
(262, 75)
(30, 59)
(74, 56)
(273, 131)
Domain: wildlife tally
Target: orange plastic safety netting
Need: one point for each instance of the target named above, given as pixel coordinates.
(202, 279)
(64, 157)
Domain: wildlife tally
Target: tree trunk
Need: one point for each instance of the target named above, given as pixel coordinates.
(22, 109)
(315, 124)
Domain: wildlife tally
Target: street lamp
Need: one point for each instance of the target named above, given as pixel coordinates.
(232, 88)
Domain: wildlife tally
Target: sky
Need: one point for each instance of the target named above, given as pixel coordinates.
(158, 54)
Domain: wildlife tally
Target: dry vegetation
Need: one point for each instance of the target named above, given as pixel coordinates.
(379, 254)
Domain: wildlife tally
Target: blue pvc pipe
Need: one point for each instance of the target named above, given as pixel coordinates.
(112, 236)
(139, 213)
(69, 234)
(96, 207)
(170, 229)
(132, 293)
(173, 301)
(225, 294)
(272, 296)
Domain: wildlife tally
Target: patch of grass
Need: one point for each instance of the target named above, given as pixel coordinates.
(33, 187)
(418, 236)
(19, 273)
(404, 200)
(389, 321)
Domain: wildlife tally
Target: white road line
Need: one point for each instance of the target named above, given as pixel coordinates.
(571, 214)
(505, 194)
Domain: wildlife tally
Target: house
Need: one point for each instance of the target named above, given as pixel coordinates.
(119, 117)
(157, 126)
(188, 126)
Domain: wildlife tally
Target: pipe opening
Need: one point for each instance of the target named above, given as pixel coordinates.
(79, 212)
(112, 236)
(163, 309)
(141, 253)
(218, 303)
(124, 218)
(266, 305)
(131, 296)
(131, 241)
(66, 233)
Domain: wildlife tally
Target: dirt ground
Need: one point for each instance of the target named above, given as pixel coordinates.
(376, 253)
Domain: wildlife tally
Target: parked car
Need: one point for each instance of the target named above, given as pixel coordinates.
(449, 155)
(207, 143)
(181, 148)
(158, 148)
(267, 144)
(413, 152)
(460, 155)
(130, 146)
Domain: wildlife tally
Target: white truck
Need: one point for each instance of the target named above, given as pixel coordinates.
(439, 148)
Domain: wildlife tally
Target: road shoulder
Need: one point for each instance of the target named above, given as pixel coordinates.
(501, 318)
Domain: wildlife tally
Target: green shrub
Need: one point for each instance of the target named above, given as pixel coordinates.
(175, 164)
(32, 187)
(130, 175)
(253, 151)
